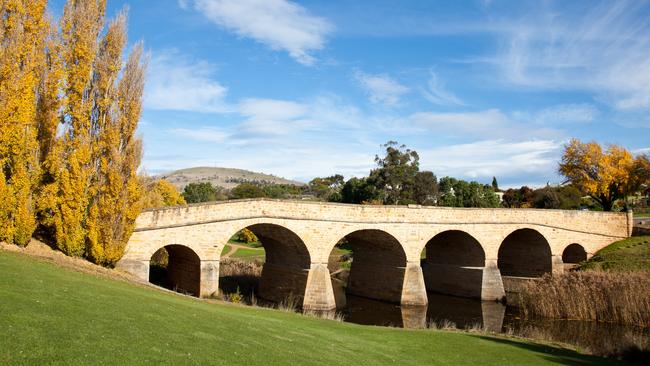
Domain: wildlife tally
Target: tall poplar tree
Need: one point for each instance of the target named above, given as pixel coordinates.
(116, 199)
(69, 109)
(80, 26)
(23, 30)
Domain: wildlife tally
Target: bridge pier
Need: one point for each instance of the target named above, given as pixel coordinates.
(414, 292)
(209, 278)
(492, 284)
(557, 265)
(319, 294)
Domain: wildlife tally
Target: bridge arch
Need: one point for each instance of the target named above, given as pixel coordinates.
(377, 267)
(573, 254)
(525, 253)
(453, 264)
(176, 267)
(287, 262)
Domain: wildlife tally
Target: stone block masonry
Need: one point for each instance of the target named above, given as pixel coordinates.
(472, 250)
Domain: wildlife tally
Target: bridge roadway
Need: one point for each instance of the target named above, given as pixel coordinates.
(470, 252)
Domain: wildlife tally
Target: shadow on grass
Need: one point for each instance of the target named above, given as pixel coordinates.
(556, 355)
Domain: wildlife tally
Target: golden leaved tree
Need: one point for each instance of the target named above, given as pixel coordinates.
(161, 193)
(69, 108)
(605, 175)
(23, 31)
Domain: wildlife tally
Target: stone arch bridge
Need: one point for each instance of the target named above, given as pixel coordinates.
(400, 252)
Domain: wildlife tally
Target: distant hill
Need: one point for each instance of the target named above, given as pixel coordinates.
(222, 177)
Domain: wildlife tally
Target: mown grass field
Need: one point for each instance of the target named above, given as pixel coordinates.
(249, 254)
(631, 254)
(52, 315)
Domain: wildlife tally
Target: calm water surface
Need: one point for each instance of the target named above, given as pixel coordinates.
(461, 313)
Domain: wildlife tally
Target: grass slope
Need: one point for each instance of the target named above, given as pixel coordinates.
(51, 315)
(631, 254)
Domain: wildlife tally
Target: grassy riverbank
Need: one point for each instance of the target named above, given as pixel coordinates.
(59, 316)
(631, 254)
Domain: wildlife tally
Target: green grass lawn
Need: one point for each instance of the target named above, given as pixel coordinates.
(51, 315)
(246, 254)
(631, 254)
(249, 253)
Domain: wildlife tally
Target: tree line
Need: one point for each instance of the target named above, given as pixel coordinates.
(398, 180)
(69, 107)
(596, 178)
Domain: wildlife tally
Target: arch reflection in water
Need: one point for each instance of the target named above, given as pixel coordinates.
(442, 309)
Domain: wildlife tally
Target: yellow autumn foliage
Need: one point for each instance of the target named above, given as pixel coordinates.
(605, 175)
(22, 37)
(69, 109)
(161, 193)
(247, 236)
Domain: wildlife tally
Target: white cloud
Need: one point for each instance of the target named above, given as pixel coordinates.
(606, 50)
(382, 89)
(279, 24)
(561, 114)
(273, 117)
(207, 134)
(488, 122)
(266, 118)
(484, 159)
(436, 92)
(176, 83)
(642, 151)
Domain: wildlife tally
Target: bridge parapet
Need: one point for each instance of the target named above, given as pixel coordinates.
(603, 223)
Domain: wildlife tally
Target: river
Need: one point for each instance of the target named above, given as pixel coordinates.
(454, 312)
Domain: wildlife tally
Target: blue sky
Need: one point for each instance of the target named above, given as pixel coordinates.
(312, 88)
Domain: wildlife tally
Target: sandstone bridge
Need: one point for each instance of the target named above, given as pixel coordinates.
(480, 253)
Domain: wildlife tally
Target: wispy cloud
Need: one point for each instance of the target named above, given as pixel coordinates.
(207, 134)
(560, 114)
(177, 83)
(484, 159)
(490, 123)
(381, 88)
(482, 123)
(279, 24)
(605, 50)
(437, 93)
(273, 117)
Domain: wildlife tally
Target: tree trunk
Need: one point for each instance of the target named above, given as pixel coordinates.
(607, 204)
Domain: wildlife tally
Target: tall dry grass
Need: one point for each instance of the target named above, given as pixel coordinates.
(622, 298)
(238, 268)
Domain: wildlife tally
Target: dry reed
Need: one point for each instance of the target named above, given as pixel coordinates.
(233, 267)
(328, 315)
(622, 298)
(443, 324)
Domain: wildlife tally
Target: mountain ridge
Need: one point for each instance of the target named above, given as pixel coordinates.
(222, 177)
